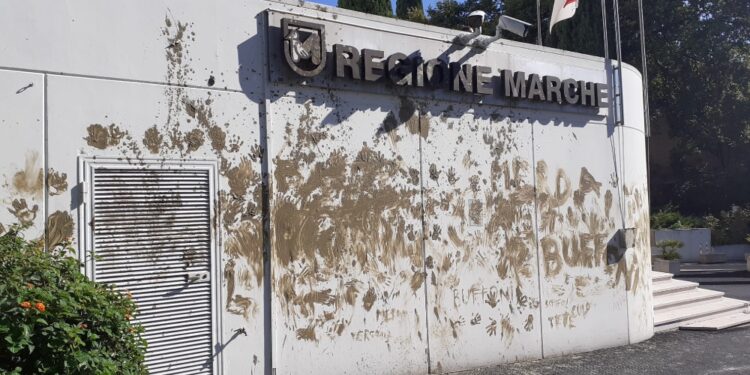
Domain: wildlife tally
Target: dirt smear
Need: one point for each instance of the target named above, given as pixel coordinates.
(102, 137)
(59, 229)
(57, 182)
(24, 214)
(30, 180)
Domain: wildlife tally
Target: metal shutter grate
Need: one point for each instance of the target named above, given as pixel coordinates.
(152, 237)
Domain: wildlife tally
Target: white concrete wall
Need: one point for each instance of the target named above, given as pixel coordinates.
(375, 264)
(694, 241)
(735, 253)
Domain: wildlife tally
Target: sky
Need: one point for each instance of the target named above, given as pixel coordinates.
(426, 3)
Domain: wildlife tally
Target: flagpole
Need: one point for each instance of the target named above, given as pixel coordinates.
(538, 24)
(646, 111)
(620, 110)
(644, 69)
(604, 28)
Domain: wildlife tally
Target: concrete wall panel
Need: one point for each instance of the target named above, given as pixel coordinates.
(134, 123)
(583, 292)
(636, 209)
(483, 292)
(22, 144)
(346, 216)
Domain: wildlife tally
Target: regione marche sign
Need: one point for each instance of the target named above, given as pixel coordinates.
(305, 53)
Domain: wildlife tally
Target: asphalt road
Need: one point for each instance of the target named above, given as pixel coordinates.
(673, 353)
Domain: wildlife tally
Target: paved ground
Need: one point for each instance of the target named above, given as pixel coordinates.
(730, 278)
(672, 353)
(679, 352)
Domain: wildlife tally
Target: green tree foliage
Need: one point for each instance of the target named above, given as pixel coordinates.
(56, 321)
(452, 14)
(378, 7)
(581, 33)
(699, 70)
(699, 81)
(670, 218)
(411, 10)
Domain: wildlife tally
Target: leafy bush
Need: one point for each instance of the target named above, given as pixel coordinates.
(56, 321)
(731, 227)
(670, 218)
(669, 249)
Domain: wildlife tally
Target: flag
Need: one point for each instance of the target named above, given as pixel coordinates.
(562, 10)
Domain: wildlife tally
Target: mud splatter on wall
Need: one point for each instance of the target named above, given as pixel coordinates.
(24, 214)
(59, 229)
(346, 220)
(57, 182)
(483, 293)
(102, 137)
(30, 180)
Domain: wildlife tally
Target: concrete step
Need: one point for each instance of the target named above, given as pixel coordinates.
(672, 286)
(676, 325)
(683, 314)
(722, 322)
(660, 276)
(686, 297)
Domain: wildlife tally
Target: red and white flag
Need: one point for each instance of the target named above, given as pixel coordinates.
(562, 10)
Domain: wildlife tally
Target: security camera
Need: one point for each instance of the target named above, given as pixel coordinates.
(476, 19)
(514, 25)
(474, 22)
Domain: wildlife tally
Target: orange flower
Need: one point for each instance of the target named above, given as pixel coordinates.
(29, 285)
(83, 325)
(26, 304)
(40, 306)
(128, 317)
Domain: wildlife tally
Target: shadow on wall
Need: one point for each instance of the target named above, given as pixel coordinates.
(283, 81)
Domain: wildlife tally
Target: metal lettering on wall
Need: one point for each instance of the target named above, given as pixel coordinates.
(305, 53)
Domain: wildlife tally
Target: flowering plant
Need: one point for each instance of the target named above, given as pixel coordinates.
(54, 320)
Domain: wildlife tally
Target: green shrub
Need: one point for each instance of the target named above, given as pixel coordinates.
(56, 321)
(669, 249)
(731, 227)
(670, 218)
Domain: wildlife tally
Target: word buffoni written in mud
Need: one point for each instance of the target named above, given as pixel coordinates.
(305, 53)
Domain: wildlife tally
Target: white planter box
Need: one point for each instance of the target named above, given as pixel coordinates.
(668, 266)
(712, 258)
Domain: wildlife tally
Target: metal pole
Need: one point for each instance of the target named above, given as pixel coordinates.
(604, 29)
(646, 111)
(644, 69)
(538, 24)
(618, 49)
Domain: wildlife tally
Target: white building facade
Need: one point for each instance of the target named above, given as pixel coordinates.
(293, 188)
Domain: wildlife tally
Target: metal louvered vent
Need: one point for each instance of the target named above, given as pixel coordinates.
(152, 237)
